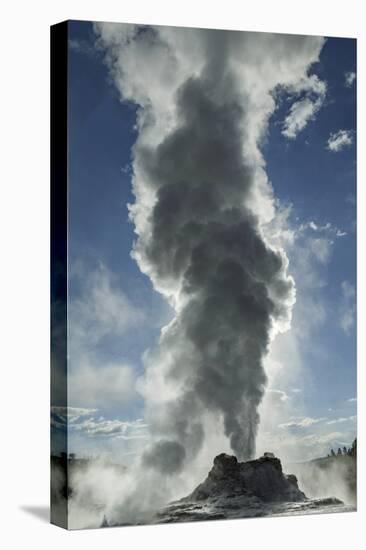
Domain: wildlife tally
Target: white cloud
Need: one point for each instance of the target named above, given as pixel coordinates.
(339, 140)
(348, 290)
(308, 245)
(82, 46)
(321, 248)
(342, 419)
(300, 445)
(96, 384)
(349, 78)
(61, 417)
(119, 429)
(347, 319)
(305, 437)
(351, 199)
(99, 310)
(305, 109)
(347, 311)
(324, 440)
(302, 422)
(72, 412)
(313, 226)
(352, 399)
(300, 113)
(326, 228)
(279, 395)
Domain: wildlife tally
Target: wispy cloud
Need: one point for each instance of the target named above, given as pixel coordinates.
(342, 419)
(83, 47)
(83, 420)
(280, 395)
(120, 429)
(306, 444)
(101, 385)
(321, 248)
(339, 140)
(348, 290)
(300, 113)
(320, 441)
(349, 78)
(72, 412)
(351, 199)
(304, 109)
(325, 228)
(101, 309)
(62, 416)
(348, 307)
(304, 422)
(99, 312)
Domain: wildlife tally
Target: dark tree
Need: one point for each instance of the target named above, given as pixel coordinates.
(353, 451)
(339, 451)
(332, 452)
(105, 522)
(345, 451)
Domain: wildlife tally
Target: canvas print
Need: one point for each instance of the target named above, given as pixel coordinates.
(203, 203)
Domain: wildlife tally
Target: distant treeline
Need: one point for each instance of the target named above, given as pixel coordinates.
(351, 451)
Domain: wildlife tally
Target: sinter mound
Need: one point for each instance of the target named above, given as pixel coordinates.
(262, 478)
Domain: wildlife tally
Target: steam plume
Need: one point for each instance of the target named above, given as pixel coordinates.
(202, 201)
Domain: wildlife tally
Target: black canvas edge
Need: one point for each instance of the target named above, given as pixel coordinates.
(58, 206)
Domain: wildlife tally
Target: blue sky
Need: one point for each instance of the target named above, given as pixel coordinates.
(315, 187)
(321, 187)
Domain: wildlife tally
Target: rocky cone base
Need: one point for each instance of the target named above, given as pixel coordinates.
(235, 489)
(262, 478)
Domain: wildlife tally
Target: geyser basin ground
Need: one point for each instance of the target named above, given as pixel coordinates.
(255, 488)
(231, 489)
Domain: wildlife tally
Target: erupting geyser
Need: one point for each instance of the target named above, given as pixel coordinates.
(202, 199)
